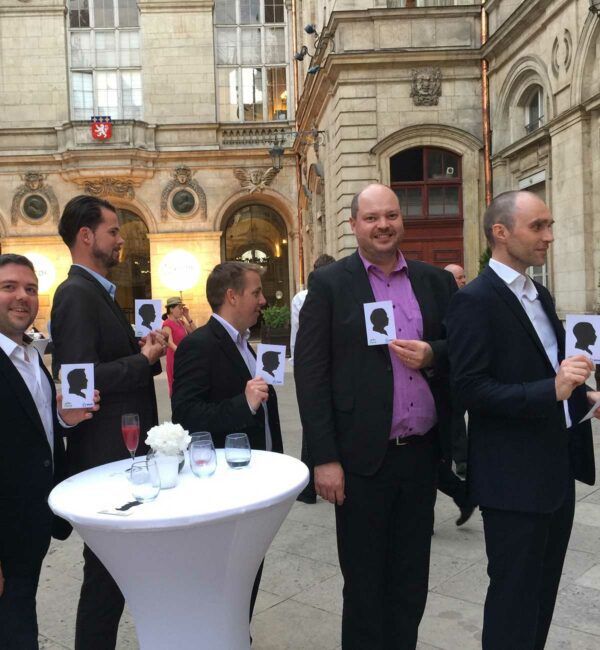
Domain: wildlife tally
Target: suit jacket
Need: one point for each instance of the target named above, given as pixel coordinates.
(208, 389)
(89, 327)
(521, 456)
(344, 387)
(28, 472)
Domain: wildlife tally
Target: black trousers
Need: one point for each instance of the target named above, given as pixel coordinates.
(309, 491)
(526, 552)
(100, 607)
(451, 485)
(384, 538)
(18, 619)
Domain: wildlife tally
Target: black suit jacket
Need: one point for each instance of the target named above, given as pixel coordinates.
(344, 387)
(521, 455)
(210, 378)
(28, 473)
(89, 327)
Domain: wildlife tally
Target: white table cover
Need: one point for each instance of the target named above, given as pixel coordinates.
(186, 562)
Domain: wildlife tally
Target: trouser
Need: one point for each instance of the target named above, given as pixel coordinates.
(18, 618)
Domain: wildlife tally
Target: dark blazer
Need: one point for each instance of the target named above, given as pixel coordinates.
(344, 387)
(89, 327)
(521, 455)
(27, 475)
(210, 378)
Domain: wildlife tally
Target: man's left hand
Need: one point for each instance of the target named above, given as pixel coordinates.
(593, 396)
(413, 354)
(75, 416)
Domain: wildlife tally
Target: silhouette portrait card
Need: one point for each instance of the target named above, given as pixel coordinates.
(379, 322)
(582, 336)
(147, 316)
(77, 385)
(270, 363)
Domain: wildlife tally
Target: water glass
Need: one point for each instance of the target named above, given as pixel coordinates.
(203, 458)
(197, 436)
(237, 450)
(144, 480)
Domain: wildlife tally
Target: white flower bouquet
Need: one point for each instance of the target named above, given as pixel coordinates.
(168, 439)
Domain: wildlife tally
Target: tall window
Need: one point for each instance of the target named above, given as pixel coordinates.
(534, 109)
(252, 61)
(428, 183)
(105, 62)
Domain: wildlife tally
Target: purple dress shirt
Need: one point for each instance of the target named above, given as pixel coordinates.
(413, 411)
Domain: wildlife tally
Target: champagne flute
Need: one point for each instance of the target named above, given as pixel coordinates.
(130, 428)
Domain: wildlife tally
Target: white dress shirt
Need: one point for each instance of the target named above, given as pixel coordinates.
(297, 304)
(524, 289)
(26, 360)
(241, 343)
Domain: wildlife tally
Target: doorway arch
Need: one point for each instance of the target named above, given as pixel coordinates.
(256, 233)
(132, 275)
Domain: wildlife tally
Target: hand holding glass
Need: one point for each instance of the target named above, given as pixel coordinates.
(203, 458)
(144, 480)
(237, 450)
(130, 428)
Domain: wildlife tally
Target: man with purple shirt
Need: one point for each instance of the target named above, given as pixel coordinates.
(372, 416)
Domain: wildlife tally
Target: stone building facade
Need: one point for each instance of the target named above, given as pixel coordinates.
(199, 91)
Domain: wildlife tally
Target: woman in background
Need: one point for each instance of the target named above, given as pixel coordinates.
(176, 326)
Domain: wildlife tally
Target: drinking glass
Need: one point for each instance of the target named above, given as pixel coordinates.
(144, 480)
(130, 428)
(197, 436)
(237, 450)
(203, 458)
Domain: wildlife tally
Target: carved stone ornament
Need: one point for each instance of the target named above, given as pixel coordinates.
(110, 187)
(34, 201)
(183, 197)
(255, 180)
(426, 86)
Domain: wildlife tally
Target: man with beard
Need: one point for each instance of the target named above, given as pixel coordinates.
(88, 326)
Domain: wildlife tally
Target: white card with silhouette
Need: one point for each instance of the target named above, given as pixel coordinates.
(77, 380)
(379, 322)
(270, 363)
(583, 336)
(147, 316)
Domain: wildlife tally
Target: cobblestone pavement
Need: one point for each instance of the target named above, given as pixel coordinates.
(299, 604)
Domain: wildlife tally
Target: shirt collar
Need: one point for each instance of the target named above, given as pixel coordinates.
(238, 337)
(9, 346)
(521, 284)
(106, 283)
(400, 264)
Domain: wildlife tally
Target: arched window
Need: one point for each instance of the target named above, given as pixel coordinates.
(533, 101)
(257, 234)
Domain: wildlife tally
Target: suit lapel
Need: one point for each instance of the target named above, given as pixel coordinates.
(517, 309)
(229, 348)
(14, 379)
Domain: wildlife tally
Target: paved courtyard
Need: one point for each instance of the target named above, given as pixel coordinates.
(299, 605)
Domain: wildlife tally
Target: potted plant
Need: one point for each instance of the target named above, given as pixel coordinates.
(275, 328)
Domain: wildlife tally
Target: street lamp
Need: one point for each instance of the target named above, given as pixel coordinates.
(276, 153)
(595, 6)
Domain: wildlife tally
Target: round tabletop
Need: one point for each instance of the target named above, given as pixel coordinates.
(269, 479)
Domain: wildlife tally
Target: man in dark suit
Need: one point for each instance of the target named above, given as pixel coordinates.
(88, 326)
(31, 455)
(215, 388)
(524, 401)
(371, 416)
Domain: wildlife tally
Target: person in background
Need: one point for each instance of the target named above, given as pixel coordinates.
(308, 495)
(176, 326)
(459, 274)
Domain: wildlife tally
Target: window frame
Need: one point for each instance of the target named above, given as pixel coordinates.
(534, 91)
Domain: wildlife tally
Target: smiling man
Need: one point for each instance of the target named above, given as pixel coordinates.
(214, 387)
(31, 455)
(88, 326)
(372, 415)
(524, 400)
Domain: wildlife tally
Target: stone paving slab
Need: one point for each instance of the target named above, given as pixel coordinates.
(299, 606)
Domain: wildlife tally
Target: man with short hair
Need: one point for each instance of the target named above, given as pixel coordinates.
(88, 326)
(31, 455)
(524, 399)
(459, 274)
(371, 415)
(215, 388)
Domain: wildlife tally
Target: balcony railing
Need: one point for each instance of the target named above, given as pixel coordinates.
(394, 4)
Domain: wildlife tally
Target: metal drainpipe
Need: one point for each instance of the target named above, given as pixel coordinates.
(485, 100)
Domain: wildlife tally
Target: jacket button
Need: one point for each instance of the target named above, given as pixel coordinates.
(47, 463)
